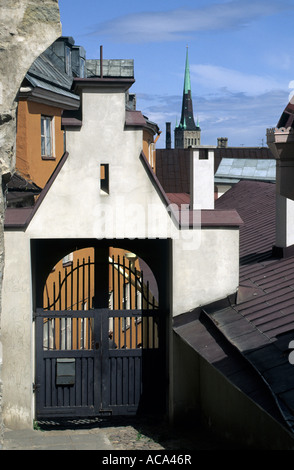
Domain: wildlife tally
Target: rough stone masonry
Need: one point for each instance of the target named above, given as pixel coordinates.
(27, 28)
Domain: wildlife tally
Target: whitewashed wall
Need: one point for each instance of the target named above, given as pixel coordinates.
(205, 262)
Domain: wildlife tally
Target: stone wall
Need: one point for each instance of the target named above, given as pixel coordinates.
(27, 28)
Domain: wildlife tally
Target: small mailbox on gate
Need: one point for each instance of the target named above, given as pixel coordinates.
(65, 371)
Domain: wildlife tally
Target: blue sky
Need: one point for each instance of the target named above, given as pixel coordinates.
(240, 54)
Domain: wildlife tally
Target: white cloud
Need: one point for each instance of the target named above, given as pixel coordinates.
(182, 23)
(214, 78)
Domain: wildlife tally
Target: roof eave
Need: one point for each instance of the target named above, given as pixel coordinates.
(40, 95)
(115, 82)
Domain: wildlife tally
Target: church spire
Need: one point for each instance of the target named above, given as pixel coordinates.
(187, 82)
(187, 118)
(187, 133)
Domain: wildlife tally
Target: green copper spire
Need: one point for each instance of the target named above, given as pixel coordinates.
(187, 119)
(187, 81)
(187, 133)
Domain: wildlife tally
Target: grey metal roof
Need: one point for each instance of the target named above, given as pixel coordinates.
(45, 85)
(43, 68)
(246, 168)
(111, 68)
(47, 73)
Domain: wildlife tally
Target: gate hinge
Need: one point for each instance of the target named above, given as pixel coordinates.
(35, 387)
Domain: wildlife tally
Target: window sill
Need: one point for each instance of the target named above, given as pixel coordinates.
(45, 157)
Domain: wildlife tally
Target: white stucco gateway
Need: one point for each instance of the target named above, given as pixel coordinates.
(195, 252)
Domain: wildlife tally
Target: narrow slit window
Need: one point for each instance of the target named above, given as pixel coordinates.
(104, 178)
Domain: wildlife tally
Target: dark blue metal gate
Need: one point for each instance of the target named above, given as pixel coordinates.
(82, 370)
(100, 361)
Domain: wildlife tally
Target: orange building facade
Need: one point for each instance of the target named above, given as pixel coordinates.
(39, 140)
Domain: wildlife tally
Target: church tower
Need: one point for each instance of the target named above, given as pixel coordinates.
(187, 133)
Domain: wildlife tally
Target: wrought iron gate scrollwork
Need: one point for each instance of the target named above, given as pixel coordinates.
(75, 287)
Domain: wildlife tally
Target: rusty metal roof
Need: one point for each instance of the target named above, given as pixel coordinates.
(173, 165)
(259, 323)
(201, 333)
(255, 203)
(265, 300)
(173, 169)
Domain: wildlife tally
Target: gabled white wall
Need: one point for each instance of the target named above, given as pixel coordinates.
(74, 206)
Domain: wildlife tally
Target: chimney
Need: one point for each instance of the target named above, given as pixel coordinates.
(284, 222)
(222, 142)
(168, 136)
(281, 144)
(202, 178)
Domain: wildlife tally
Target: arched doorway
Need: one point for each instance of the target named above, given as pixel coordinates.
(100, 341)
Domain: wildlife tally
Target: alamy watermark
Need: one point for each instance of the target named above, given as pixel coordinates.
(125, 219)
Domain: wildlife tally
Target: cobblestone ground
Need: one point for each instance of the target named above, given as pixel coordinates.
(152, 434)
(145, 436)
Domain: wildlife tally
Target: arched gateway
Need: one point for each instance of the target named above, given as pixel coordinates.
(100, 333)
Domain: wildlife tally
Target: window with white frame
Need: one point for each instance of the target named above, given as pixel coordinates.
(47, 137)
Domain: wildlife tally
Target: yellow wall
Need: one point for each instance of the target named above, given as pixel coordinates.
(149, 148)
(29, 162)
